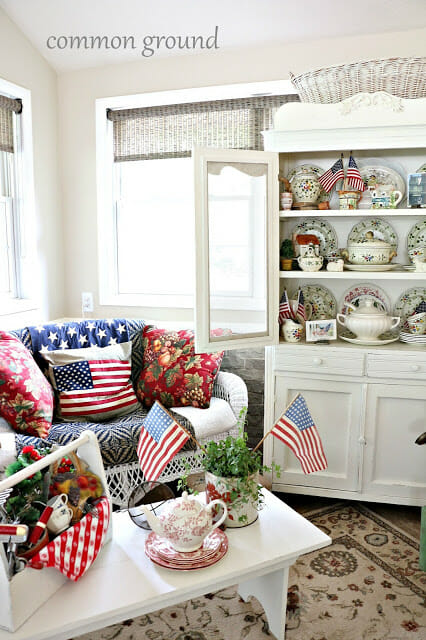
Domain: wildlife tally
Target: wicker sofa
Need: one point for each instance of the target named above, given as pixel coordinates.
(118, 437)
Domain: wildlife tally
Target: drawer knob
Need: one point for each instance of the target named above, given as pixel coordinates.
(317, 361)
(414, 367)
(362, 440)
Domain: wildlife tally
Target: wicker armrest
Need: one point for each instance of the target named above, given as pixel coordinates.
(233, 389)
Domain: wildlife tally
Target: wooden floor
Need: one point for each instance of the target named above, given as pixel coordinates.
(405, 518)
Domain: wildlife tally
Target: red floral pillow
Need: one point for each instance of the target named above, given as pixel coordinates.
(26, 397)
(173, 373)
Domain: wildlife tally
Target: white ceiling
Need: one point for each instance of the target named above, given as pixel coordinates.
(241, 23)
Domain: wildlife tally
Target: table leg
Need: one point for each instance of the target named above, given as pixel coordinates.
(271, 591)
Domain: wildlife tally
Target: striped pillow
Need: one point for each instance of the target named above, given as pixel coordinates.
(93, 383)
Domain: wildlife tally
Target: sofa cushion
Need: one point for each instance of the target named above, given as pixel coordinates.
(94, 383)
(173, 373)
(26, 397)
(118, 438)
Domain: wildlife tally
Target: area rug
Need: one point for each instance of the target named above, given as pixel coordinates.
(365, 586)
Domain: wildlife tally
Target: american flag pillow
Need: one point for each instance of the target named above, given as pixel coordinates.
(93, 384)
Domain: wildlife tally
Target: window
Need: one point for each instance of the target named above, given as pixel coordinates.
(147, 227)
(15, 201)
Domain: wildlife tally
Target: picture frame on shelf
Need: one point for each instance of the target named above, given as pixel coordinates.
(320, 330)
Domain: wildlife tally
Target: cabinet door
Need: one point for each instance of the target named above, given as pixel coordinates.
(393, 464)
(237, 249)
(336, 408)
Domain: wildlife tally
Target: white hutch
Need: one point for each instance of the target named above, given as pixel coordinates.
(369, 403)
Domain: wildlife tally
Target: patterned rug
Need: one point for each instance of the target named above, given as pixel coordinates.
(365, 586)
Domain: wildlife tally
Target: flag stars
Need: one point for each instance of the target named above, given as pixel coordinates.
(101, 334)
(63, 345)
(72, 331)
(44, 348)
(53, 336)
(82, 339)
(91, 326)
(121, 328)
(112, 341)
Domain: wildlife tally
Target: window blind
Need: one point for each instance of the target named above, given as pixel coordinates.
(8, 106)
(170, 131)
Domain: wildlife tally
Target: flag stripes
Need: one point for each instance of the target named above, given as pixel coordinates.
(333, 175)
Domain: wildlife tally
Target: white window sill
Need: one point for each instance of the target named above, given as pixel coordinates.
(12, 306)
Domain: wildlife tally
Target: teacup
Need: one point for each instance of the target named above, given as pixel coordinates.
(61, 515)
(417, 323)
(286, 200)
(349, 199)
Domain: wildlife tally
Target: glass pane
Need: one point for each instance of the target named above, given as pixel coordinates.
(155, 222)
(237, 249)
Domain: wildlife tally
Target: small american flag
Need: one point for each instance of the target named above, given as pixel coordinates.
(284, 309)
(297, 430)
(160, 440)
(301, 306)
(333, 175)
(354, 177)
(94, 387)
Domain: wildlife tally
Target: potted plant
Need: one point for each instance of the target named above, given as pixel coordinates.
(232, 472)
(286, 254)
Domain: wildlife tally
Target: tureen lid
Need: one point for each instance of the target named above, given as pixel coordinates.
(371, 241)
(367, 308)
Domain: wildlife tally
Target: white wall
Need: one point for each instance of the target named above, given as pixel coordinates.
(78, 91)
(21, 64)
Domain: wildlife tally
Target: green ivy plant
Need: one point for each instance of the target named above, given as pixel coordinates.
(237, 464)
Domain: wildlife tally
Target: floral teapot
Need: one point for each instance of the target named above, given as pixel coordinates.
(185, 522)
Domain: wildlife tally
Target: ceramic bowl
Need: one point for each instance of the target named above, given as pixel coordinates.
(417, 324)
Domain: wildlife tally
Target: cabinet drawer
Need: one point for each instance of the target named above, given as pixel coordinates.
(320, 362)
(397, 366)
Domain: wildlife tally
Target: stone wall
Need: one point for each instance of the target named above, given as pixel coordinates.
(249, 364)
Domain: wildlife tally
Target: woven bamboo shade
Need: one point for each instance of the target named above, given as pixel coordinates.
(7, 107)
(171, 131)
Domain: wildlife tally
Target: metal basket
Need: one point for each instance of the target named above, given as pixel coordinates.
(403, 77)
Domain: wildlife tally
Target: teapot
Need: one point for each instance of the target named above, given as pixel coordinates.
(367, 322)
(310, 262)
(185, 522)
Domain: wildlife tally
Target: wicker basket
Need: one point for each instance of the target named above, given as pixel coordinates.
(403, 77)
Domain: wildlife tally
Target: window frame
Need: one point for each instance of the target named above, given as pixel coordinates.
(23, 297)
(106, 212)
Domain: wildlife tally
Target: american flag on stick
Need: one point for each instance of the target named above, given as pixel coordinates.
(285, 310)
(94, 387)
(333, 175)
(353, 176)
(160, 440)
(297, 430)
(301, 306)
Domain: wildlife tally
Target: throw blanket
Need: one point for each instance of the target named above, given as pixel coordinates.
(77, 335)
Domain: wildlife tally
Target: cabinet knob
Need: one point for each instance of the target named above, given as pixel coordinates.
(362, 440)
(414, 367)
(317, 361)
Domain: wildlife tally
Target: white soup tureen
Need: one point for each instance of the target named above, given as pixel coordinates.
(367, 322)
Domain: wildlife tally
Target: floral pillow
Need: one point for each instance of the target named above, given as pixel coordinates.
(26, 397)
(173, 373)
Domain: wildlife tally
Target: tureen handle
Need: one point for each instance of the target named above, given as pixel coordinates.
(341, 321)
(225, 513)
(395, 322)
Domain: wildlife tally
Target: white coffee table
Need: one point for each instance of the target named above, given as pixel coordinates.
(124, 583)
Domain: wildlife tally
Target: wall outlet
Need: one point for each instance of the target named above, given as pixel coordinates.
(87, 301)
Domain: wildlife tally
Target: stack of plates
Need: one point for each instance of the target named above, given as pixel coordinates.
(405, 336)
(161, 552)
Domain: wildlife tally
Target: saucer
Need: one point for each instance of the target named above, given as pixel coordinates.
(209, 547)
(369, 343)
(371, 267)
(185, 561)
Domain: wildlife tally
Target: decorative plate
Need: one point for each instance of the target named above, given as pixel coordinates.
(370, 343)
(371, 267)
(324, 232)
(409, 302)
(324, 196)
(374, 174)
(151, 549)
(321, 299)
(380, 229)
(360, 292)
(209, 547)
(416, 238)
(422, 169)
(410, 338)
